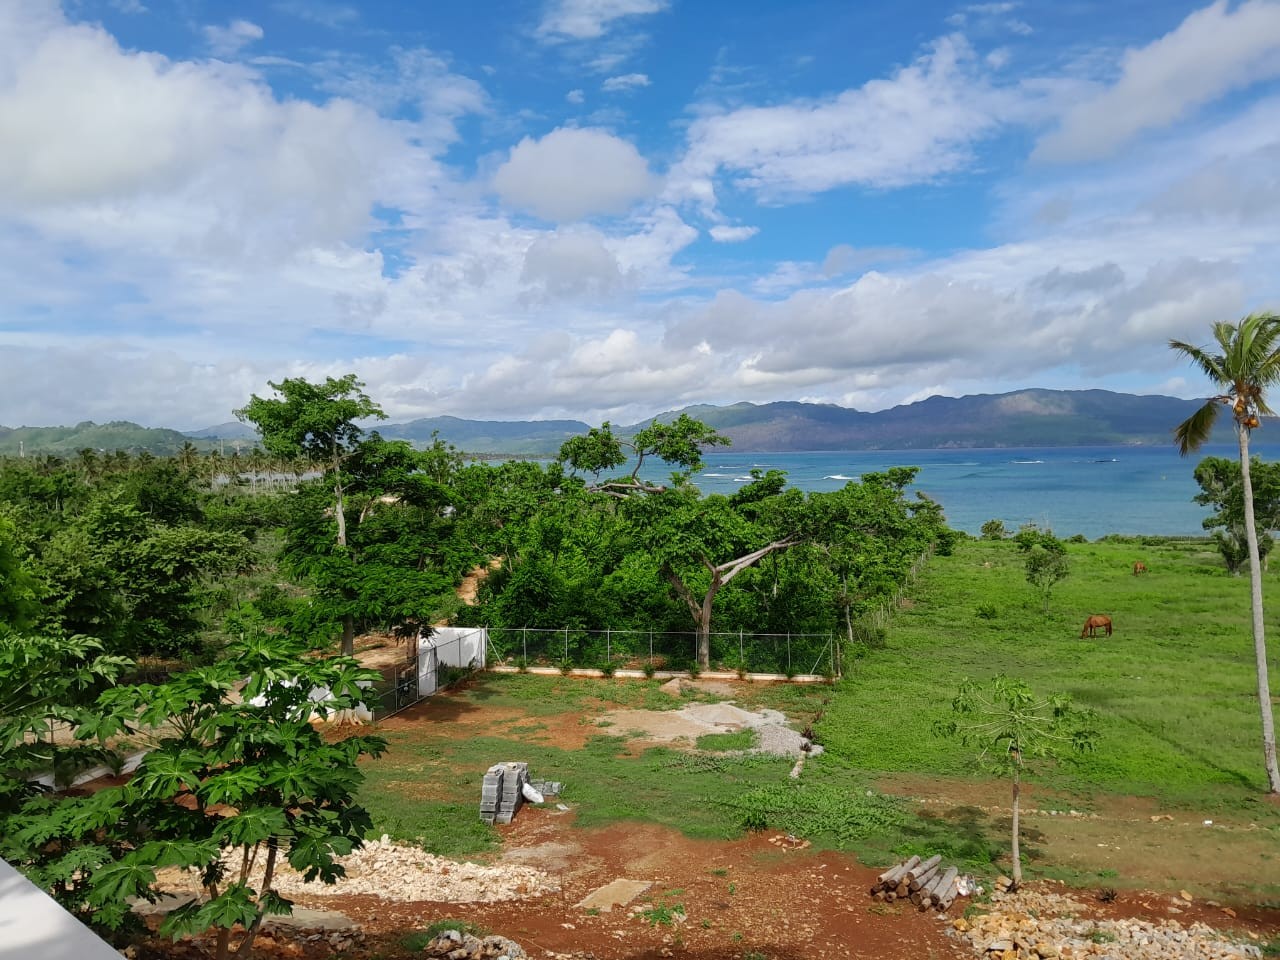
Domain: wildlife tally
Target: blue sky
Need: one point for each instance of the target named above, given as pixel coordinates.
(604, 209)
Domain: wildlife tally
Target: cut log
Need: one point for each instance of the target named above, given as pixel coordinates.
(919, 871)
(891, 876)
(945, 891)
(924, 878)
(902, 889)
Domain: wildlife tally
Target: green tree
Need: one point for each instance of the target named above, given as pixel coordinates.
(680, 442)
(317, 421)
(1243, 364)
(993, 530)
(1046, 561)
(1010, 726)
(703, 543)
(1221, 487)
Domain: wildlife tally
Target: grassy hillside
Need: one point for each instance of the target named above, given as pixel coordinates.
(1174, 686)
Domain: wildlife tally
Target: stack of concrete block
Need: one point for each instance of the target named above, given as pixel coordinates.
(501, 793)
(491, 793)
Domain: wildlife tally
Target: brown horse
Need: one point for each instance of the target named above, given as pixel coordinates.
(1139, 567)
(1094, 624)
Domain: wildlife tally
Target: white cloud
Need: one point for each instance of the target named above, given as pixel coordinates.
(574, 173)
(1212, 52)
(588, 19)
(726, 234)
(575, 96)
(130, 150)
(132, 7)
(627, 81)
(913, 127)
(229, 40)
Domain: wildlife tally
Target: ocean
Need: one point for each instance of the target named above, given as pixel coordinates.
(1087, 490)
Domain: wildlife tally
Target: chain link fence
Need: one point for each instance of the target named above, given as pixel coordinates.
(788, 654)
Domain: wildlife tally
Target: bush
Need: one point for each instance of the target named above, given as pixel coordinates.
(993, 530)
(986, 611)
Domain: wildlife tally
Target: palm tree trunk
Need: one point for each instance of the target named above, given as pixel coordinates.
(1259, 635)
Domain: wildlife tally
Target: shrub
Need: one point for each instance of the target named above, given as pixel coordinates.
(986, 611)
(993, 530)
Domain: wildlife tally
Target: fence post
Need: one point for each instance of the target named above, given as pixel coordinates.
(788, 651)
(651, 645)
(524, 644)
(742, 660)
(566, 644)
(608, 648)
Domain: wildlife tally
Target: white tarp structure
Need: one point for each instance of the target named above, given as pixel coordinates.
(449, 647)
(34, 927)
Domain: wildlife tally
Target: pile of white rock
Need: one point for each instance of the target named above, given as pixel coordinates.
(1029, 925)
(394, 871)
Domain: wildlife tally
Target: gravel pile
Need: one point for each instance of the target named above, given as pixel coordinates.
(1027, 925)
(396, 872)
(393, 871)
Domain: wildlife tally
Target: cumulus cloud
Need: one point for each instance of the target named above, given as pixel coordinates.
(1212, 52)
(229, 40)
(132, 150)
(626, 81)
(575, 96)
(588, 19)
(917, 125)
(574, 173)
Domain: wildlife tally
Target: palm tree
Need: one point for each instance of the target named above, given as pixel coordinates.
(1249, 363)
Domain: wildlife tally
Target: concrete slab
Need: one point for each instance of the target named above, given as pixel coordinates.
(616, 894)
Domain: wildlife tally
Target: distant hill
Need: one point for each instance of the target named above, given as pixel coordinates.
(109, 437)
(231, 430)
(488, 436)
(1023, 418)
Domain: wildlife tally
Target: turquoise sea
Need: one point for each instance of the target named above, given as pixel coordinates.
(1088, 490)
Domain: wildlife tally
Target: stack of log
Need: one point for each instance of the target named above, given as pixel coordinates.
(926, 883)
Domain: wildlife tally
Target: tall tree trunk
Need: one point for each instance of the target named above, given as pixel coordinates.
(348, 635)
(1017, 848)
(1259, 635)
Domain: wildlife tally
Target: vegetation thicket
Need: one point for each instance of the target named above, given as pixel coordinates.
(185, 606)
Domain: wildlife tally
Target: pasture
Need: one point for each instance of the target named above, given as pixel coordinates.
(1174, 688)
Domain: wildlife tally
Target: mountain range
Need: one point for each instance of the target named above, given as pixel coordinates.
(1023, 418)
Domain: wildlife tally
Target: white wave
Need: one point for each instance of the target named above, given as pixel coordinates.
(1026, 461)
(836, 476)
(715, 474)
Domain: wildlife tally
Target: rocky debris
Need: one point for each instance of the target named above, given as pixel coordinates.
(455, 945)
(1029, 925)
(401, 873)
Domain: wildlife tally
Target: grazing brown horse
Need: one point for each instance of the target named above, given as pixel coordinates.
(1139, 567)
(1094, 624)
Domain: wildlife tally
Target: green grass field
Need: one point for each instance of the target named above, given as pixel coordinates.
(1175, 685)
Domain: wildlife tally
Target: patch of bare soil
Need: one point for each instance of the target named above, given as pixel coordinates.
(706, 900)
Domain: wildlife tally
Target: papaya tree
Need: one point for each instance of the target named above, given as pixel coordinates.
(1011, 727)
